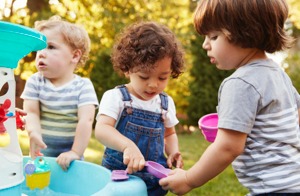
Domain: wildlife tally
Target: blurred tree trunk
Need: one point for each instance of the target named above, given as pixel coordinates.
(37, 5)
(38, 9)
(19, 89)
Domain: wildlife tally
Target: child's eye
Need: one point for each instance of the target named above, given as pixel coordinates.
(214, 37)
(51, 47)
(144, 77)
(164, 78)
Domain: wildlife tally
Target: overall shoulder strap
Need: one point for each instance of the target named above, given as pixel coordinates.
(124, 91)
(164, 100)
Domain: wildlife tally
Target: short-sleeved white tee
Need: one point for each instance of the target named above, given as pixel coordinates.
(112, 105)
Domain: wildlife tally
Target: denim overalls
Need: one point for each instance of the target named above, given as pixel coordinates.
(146, 130)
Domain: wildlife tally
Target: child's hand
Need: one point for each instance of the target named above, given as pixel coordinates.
(21, 112)
(36, 144)
(133, 158)
(176, 182)
(65, 158)
(175, 160)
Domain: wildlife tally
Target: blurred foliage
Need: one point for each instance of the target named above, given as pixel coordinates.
(104, 19)
(294, 6)
(194, 93)
(293, 59)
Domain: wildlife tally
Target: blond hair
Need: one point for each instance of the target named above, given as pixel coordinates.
(74, 35)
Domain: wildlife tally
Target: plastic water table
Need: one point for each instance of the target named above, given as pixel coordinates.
(16, 42)
(82, 178)
(85, 179)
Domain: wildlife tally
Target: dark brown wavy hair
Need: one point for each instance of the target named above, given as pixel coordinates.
(142, 44)
(246, 23)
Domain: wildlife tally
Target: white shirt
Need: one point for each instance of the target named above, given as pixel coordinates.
(112, 105)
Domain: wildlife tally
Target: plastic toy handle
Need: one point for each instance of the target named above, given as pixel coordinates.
(6, 104)
(19, 121)
(118, 175)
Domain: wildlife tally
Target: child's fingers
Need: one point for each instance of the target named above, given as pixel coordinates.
(177, 155)
(21, 112)
(41, 144)
(170, 161)
(126, 159)
(179, 164)
(38, 153)
(142, 164)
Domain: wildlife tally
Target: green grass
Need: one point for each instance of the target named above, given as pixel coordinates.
(191, 146)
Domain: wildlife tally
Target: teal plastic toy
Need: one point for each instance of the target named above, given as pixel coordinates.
(37, 173)
(16, 41)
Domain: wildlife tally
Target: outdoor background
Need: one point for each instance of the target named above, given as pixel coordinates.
(195, 92)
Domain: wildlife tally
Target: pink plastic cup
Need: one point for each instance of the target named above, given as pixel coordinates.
(209, 126)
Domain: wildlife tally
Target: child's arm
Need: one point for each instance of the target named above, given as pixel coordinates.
(83, 134)
(219, 155)
(172, 148)
(33, 126)
(110, 137)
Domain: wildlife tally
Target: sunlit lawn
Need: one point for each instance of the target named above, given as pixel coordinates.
(192, 146)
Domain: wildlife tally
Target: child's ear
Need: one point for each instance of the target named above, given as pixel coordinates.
(126, 74)
(76, 55)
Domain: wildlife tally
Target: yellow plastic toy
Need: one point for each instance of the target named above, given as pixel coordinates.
(37, 173)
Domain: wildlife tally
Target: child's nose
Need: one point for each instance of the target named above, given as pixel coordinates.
(41, 53)
(205, 44)
(153, 83)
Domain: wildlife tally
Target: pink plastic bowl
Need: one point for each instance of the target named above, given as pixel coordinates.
(209, 126)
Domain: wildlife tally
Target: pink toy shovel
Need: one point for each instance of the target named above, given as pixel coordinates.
(152, 167)
(118, 175)
(157, 169)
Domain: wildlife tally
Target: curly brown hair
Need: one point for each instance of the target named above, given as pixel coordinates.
(246, 23)
(142, 44)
